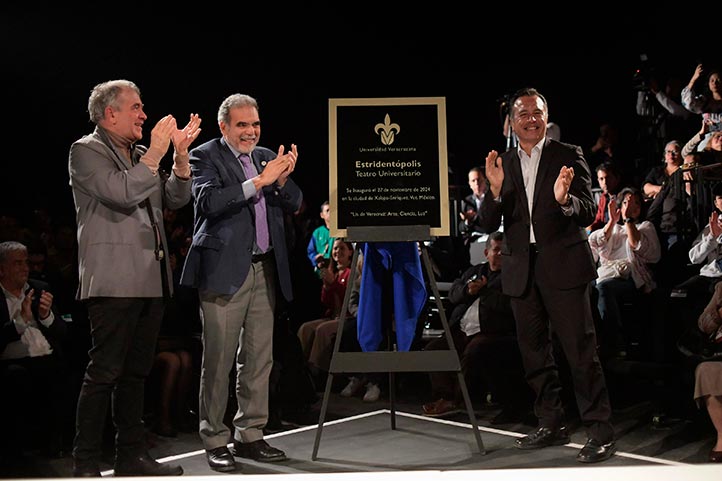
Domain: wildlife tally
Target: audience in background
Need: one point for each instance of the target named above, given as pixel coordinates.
(624, 249)
(708, 375)
(321, 242)
(318, 336)
(705, 100)
(32, 366)
(609, 179)
(659, 175)
(470, 227)
(483, 332)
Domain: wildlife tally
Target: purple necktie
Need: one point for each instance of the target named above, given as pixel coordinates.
(259, 203)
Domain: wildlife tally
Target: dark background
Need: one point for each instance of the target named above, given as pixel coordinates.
(293, 59)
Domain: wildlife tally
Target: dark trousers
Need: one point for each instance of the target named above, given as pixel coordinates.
(124, 333)
(568, 313)
(492, 359)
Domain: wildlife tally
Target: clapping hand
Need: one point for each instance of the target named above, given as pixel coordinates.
(183, 138)
(494, 172)
(614, 212)
(160, 138)
(714, 224)
(292, 158)
(562, 184)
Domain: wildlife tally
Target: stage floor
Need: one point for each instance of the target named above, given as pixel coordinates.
(359, 442)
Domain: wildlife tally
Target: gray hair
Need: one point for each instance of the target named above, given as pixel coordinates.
(10, 246)
(494, 236)
(105, 95)
(232, 102)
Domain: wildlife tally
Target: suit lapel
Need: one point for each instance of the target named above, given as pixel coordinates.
(234, 165)
(4, 314)
(259, 163)
(518, 180)
(541, 173)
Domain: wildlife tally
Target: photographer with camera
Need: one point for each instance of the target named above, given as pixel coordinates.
(659, 106)
(711, 152)
(706, 101)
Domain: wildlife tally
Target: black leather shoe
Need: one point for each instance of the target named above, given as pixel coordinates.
(594, 451)
(221, 459)
(85, 469)
(715, 456)
(144, 465)
(543, 437)
(258, 451)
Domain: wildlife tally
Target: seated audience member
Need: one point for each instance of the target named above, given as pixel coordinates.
(469, 227)
(659, 175)
(42, 270)
(708, 375)
(484, 334)
(319, 246)
(706, 250)
(624, 252)
(369, 383)
(672, 211)
(32, 368)
(318, 336)
(610, 181)
(708, 394)
(391, 298)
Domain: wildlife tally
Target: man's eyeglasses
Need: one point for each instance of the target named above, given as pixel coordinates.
(672, 152)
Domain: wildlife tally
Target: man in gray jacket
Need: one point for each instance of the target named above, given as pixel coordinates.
(119, 193)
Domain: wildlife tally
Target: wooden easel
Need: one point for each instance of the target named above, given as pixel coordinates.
(393, 361)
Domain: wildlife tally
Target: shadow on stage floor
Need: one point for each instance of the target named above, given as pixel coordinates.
(367, 443)
(358, 438)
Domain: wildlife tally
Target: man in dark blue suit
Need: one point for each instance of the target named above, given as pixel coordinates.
(542, 188)
(238, 256)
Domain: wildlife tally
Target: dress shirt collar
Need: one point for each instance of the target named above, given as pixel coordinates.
(535, 150)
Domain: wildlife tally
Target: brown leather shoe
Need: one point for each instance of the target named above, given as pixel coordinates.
(440, 407)
(258, 451)
(543, 437)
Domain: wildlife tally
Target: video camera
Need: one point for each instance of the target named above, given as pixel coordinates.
(643, 74)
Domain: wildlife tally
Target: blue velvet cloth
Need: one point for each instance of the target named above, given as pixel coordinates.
(409, 291)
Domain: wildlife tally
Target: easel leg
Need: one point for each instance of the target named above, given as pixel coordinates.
(322, 415)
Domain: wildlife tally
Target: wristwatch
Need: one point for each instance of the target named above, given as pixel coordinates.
(628, 220)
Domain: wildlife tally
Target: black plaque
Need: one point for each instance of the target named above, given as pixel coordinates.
(388, 164)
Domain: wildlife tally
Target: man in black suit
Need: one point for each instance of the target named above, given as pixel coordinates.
(470, 226)
(31, 365)
(542, 188)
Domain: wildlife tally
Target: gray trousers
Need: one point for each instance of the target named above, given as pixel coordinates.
(237, 328)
